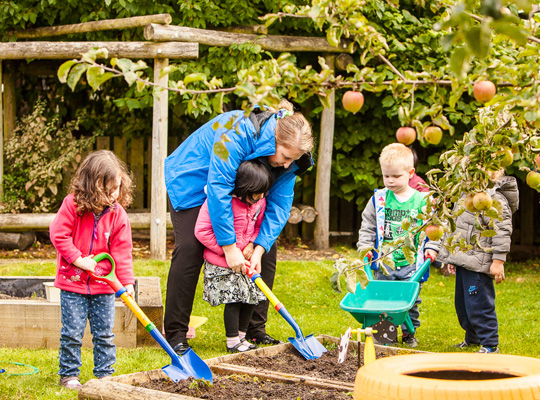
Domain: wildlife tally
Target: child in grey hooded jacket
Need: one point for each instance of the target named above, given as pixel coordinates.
(476, 269)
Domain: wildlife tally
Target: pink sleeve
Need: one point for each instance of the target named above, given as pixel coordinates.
(61, 231)
(204, 231)
(121, 248)
(260, 218)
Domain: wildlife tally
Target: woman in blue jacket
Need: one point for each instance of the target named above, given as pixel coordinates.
(282, 141)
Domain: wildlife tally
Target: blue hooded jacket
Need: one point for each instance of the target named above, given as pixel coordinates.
(194, 165)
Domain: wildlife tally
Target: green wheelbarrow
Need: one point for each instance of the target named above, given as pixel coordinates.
(393, 298)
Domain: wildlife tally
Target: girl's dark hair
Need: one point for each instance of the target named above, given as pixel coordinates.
(252, 177)
(95, 180)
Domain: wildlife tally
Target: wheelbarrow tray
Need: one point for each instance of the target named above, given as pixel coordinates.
(395, 298)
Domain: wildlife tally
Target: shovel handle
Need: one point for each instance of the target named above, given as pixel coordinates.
(110, 278)
(120, 290)
(256, 278)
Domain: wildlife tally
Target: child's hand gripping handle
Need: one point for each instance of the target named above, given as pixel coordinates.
(256, 278)
(120, 290)
(110, 278)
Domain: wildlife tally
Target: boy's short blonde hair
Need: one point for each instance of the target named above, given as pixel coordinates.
(397, 153)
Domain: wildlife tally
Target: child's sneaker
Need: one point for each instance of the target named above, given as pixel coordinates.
(409, 340)
(488, 349)
(70, 382)
(465, 344)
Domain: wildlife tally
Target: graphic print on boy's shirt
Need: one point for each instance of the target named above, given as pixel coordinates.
(395, 212)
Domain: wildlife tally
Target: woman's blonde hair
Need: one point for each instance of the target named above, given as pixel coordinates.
(294, 131)
(95, 180)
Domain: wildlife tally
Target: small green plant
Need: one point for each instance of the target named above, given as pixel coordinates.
(198, 383)
(37, 154)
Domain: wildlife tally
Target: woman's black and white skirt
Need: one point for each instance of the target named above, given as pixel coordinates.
(223, 285)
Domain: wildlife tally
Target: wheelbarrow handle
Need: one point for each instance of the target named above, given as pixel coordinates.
(422, 270)
(367, 268)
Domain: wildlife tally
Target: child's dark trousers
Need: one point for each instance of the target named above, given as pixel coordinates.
(475, 307)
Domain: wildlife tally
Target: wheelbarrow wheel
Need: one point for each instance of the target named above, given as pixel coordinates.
(449, 376)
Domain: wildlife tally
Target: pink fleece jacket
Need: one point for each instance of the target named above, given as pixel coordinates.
(76, 236)
(247, 223)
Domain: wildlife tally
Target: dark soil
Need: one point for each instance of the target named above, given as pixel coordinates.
(292, 362)
(247, 387)
(289, 362)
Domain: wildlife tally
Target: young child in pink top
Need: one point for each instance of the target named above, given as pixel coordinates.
(91, 220)
(222, 285)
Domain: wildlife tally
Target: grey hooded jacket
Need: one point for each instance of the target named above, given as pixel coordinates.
(506, 192)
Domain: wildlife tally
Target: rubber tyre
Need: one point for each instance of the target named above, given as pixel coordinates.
(390, 378)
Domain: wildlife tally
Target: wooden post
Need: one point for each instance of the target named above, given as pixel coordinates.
(158, 209)
(324, 168)
(10, 104)
(1, 136)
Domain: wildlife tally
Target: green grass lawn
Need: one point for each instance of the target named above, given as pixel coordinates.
(305, 290)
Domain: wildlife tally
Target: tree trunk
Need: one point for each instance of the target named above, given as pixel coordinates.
(161, 33)
(324, 168)
(67, 50)
(93, 26)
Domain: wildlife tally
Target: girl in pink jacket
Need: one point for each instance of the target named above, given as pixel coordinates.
(91, 220)
(222, 285)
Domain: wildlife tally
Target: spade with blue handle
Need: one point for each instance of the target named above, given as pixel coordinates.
(308, 346)
(188, 364)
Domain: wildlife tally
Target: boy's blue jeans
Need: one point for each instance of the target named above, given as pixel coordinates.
(76, 310)
(403, 274)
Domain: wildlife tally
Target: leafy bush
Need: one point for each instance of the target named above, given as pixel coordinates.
(37, 154)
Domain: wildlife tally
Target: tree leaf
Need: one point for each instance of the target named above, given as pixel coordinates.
(362, 278)
(221, 150)
(195, 77)
(459, 61)
(488, 233)
(410, 255)
(350, 281)
(75, 74)
(334, 281)
(63, 71)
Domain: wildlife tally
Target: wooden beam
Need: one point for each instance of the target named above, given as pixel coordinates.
(158, 228)
(253, 29)
(67, 50)
(92, 26)
(324, 168)
(40, 222)
(160, 33)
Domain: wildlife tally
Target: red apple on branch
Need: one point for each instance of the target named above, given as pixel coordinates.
(406, 135)
(484, 91)
(353, 101)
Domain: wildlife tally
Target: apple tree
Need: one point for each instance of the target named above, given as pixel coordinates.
(463, 51)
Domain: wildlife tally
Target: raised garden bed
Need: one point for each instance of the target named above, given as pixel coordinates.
(266, 373)
(37, 322)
